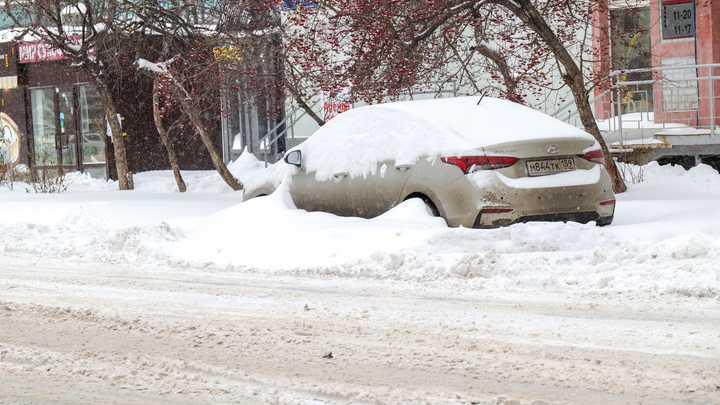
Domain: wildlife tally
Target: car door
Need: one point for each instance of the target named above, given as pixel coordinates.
(329, 195)
(377, 192)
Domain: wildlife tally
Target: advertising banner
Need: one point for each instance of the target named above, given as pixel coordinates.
(41, 51)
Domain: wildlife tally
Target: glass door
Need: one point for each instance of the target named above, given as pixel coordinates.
(69, 126)
(43, 122)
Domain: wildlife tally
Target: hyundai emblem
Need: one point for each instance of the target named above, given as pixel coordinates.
(552, 149)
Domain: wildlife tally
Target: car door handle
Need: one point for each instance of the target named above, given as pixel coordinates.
(340, 175)
(402, 168)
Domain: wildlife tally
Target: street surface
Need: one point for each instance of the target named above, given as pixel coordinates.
(134, 333)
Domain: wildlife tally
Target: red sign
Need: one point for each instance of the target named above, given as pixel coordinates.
(37, 52)
(333, 108)
(40, 51)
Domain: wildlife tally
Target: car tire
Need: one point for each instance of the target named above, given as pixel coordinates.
(604, 221)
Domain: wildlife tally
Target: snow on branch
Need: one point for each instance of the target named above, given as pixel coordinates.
(159, 68)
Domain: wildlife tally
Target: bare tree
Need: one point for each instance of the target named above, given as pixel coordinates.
(180, 29)
(157, 115)
(104, 38)
(200, 62)
(210, 50)
(91, 35)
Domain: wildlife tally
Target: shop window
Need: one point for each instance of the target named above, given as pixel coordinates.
(630, 49)
(92, 125)
(73, 118)
(43, 121)
(66, 115)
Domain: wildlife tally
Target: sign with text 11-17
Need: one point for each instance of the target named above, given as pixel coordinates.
(678, 19)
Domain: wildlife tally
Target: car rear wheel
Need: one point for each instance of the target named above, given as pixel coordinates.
(428, 203)
(604, 221)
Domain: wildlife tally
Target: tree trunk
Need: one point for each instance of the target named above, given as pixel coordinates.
(588, 120)
(117, 137)
(193, 112)
(528, 14)
(166, 139)
(196, 118)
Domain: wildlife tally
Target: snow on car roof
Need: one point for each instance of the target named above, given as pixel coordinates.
(488, 122)
(354, 141)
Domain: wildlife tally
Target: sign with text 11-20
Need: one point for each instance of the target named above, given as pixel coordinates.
(678, 19)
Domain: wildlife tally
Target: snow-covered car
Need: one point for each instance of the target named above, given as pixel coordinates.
(478, 163)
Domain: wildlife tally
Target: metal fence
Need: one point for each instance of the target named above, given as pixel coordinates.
(676, 99)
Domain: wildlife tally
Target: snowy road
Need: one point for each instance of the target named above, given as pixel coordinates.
(142, 334)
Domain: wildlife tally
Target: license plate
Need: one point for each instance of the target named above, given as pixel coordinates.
(543, 167)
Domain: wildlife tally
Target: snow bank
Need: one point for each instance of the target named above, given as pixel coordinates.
(665, 238)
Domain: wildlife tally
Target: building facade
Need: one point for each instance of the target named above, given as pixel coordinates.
(50, 114)
(662, 53)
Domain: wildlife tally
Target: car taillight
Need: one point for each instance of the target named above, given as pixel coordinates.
(470, 163)
(608, 202)
(595, 156)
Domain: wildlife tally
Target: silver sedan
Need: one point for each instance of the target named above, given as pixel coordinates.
(476, 163)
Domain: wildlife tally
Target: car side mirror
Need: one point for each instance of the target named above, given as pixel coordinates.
(294, 157)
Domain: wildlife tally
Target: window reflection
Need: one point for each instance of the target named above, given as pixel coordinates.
(66, 113)
(76, 114)
(43, 119)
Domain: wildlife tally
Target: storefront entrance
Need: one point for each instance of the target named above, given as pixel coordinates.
(68, 126)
